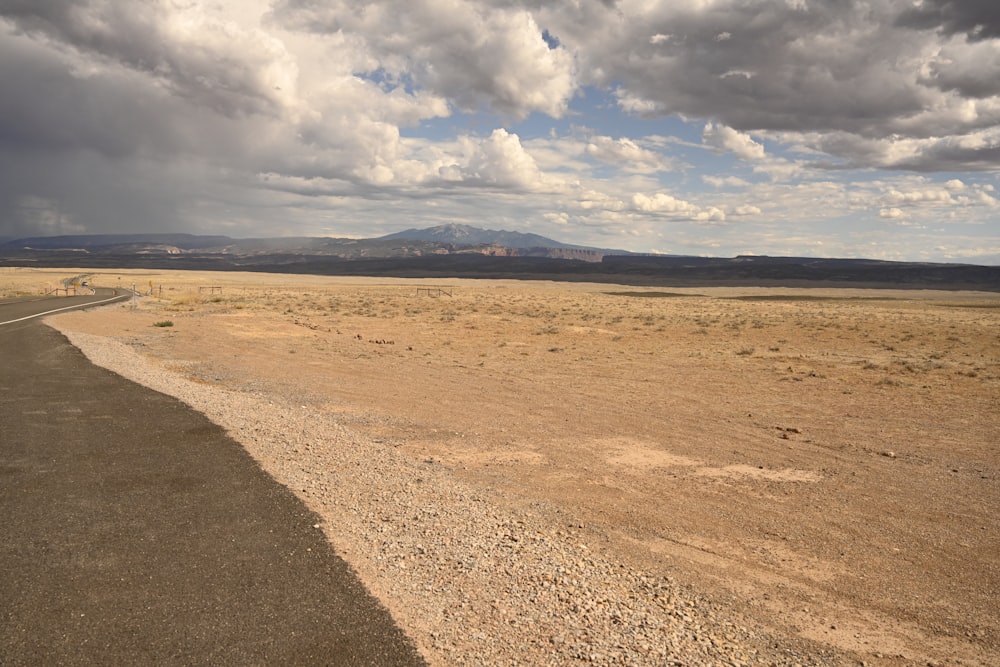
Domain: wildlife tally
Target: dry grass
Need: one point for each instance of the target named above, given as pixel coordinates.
(818, 457)
(24, 282)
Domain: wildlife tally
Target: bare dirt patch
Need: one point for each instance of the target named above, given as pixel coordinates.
(822, 461)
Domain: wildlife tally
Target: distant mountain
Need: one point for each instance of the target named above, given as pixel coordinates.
(90, 241)
(441, 240)
(465, 251)
(468, 235)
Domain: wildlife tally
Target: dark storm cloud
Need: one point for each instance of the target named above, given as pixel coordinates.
(977, 19)
(68, 141)
(871, 70)
(980, 80)
(969, 68)
(93, 138)
(53, 101)
(44, 106)
(212, 66)
(85, 192)
(954, 156)
(769, 65)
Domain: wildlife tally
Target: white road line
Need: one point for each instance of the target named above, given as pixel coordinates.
(49, 312)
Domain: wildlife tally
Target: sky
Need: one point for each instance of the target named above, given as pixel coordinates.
(822, 128)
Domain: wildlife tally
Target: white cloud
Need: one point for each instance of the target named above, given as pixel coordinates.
(596, 200)
(624, 152)
(498, 161)
(930, 195)
(711, 214)
(982, 196)
(662, 203)
(469, 52)
(633, 104)
(779, 169)
(739, 144)
(725, 181)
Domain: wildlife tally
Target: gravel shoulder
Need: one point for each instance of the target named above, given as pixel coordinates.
(470, 580)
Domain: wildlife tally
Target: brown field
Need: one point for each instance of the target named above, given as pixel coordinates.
(826, 462)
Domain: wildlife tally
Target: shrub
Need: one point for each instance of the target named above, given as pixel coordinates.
(163, 323)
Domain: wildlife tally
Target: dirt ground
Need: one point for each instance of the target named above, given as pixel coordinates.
(825, 461)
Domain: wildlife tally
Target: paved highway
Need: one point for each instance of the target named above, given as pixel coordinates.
(21, 310)
(135, 531)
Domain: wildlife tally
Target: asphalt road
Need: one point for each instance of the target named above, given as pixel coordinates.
(13, 311)
(135, 531)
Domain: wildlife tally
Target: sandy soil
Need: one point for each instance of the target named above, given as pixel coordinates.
(823, 462)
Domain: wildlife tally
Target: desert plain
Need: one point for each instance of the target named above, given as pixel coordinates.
(821, 466)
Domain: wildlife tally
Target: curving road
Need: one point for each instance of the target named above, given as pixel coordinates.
(21, 310)
(135, 531)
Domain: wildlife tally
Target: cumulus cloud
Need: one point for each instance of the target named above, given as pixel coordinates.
(710, 214)
(596, 200)
(560, 218)
(624, 152)
(779, 169)
(930, 200)
(640, 106)
(984, 196)
(727, 139)
(923, 196)
(496, 161)
(661, 203)
(471, 53)
(725, 181)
